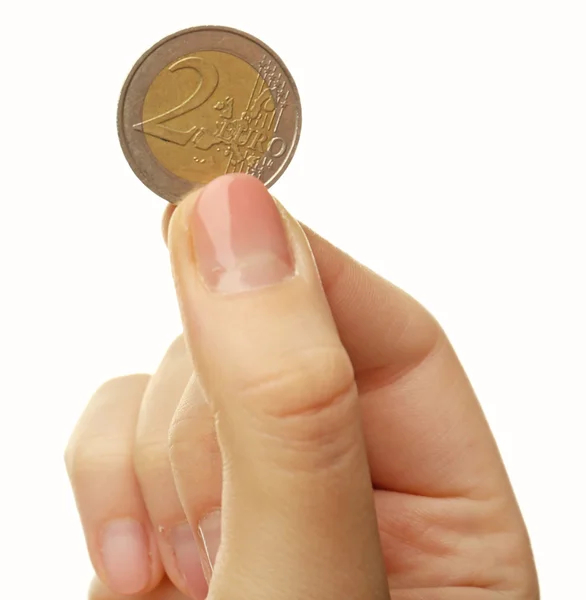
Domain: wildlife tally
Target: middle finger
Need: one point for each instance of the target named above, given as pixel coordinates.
(176, 542)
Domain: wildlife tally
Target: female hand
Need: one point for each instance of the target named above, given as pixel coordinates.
(320, 408)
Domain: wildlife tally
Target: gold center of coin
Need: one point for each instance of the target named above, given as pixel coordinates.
(209, 113)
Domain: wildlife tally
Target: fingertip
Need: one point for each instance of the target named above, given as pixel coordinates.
(126, 551)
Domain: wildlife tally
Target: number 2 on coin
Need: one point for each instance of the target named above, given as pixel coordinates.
(207, 85)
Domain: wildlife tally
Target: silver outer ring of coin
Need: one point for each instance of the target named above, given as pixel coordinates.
(222, 39)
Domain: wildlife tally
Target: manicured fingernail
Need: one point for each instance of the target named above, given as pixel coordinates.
(125, 556)
(210, 532)
(189, 561)
(239, 238)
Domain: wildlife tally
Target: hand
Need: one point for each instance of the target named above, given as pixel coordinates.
(333, 426)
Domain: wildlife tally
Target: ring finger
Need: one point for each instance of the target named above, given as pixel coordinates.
(99, 460)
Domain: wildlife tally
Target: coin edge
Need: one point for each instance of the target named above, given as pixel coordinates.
(123, 93)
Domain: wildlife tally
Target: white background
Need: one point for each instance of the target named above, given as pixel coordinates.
(443, 144)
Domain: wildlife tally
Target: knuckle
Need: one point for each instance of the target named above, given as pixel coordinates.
(70, 450)
(95, 454)
(68, 456)
(151, 455)
(309, 409)
(125, 383)
(86, 446)
(196, 459)
(302, 384)
(177, 347)
(190, 441)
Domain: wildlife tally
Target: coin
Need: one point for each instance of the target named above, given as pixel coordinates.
(207, 101)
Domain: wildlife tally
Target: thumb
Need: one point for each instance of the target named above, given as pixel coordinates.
(298, 517)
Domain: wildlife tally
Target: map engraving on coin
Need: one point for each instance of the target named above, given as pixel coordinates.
(204, 102)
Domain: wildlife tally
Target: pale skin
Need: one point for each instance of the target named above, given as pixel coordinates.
(324, 412)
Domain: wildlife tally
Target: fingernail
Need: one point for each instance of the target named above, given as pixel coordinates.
(125, 556)
(189, 561)
(210, 532)
(239, 238)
